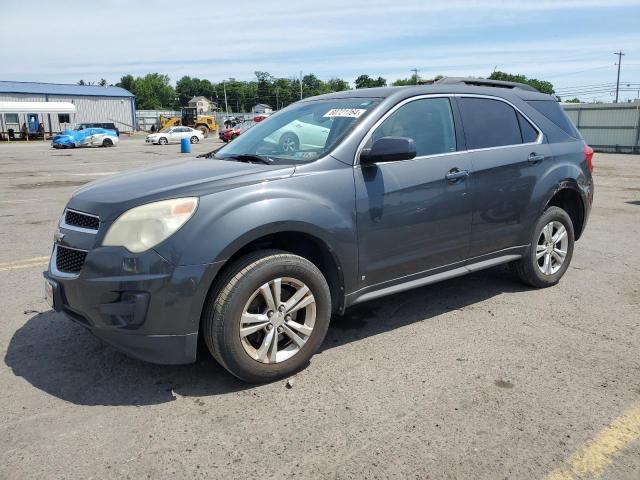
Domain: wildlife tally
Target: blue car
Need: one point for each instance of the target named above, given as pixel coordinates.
(89, 137)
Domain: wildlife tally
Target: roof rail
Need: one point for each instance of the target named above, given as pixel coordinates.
(483, 82)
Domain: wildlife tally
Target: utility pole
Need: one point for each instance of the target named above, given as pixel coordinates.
(415, 71)
(300, 84)
(620, 55)
(226, 105)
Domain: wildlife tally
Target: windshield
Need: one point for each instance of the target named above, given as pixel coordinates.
(300, 133)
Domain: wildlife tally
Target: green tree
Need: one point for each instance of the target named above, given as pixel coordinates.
(401, 82)
(153, 91)
(186, 89)
(573, 100)
(207, 89)
(312, 85)
(337, 85)
(102, 82)
(264, 87)
(540, 85)
(126, 82)
(365, 81)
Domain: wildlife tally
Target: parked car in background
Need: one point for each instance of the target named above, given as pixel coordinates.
(261, 117)
(301, 134)
(229, 134)
(251, 250)
(175, 135)
(88, 137)
(106, 125)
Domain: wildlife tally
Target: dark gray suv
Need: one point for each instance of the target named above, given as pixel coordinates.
(335, 200)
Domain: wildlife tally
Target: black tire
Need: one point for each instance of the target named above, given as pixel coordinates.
(107, 142)
(527, 268)
(162, 141)
(204, 130)
(228, 297)
(194, 139)
(289, 143)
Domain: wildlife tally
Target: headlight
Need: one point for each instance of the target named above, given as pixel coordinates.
(142, 228)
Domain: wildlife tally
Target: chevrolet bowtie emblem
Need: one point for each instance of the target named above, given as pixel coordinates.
(58, 236)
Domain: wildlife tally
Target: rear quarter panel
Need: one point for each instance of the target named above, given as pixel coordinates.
(565, 169)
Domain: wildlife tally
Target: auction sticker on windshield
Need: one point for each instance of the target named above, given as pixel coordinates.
(345, 112)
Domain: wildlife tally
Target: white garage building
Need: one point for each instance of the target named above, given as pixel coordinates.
(94, 104)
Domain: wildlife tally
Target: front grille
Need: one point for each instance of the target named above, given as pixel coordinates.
(69, 260)
(82, 220)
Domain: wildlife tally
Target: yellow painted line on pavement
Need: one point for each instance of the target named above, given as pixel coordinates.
(591, 460)
(24, 263)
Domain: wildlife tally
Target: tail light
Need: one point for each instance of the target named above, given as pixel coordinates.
(588, 156)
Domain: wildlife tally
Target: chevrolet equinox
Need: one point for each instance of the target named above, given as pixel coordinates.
(334, 200)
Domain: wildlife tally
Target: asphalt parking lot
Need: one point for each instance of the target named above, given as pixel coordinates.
(477, 377)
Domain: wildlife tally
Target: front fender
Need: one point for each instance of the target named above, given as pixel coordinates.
(320, 204)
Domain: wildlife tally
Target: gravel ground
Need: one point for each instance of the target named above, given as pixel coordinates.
(477, 377)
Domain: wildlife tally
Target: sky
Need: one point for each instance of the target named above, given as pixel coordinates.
(567, 42)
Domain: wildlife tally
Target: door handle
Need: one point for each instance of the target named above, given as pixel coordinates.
(534, 158)
(456, 174)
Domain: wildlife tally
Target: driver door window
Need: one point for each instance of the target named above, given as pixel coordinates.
(429, 122)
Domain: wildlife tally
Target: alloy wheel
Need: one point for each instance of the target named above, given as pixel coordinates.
(288, 144)
(277, 320)
(551, 249)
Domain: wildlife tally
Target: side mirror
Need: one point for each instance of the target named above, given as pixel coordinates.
(388, 149)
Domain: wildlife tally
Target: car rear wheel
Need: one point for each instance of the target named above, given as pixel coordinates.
(195, 139)
(267, 315)
(163, 141)
(289, 143)
(107, 142)
(551, 250)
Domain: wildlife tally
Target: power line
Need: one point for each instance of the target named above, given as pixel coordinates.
(620, 55)
(578, 87)
(591, 87)
(579, 71)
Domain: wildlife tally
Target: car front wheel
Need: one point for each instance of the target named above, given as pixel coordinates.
(267, 315)
(163, 141)
(550, 252)
(289, 143)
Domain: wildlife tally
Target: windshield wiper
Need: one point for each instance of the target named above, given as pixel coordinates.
(210, 154)
(249, 158)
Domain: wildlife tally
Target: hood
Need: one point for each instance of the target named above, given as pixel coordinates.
(111, 196)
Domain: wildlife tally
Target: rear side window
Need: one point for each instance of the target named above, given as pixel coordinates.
(529, 134)
(429, 122)
(553, 111)
(489, 123)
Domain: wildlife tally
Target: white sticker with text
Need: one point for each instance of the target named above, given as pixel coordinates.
(345, 112)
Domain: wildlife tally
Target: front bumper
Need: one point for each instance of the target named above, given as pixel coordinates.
(139, 303)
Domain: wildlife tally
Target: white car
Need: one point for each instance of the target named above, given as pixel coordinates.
(174, 135)
(300, 135)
